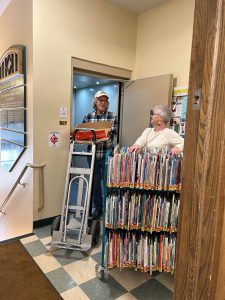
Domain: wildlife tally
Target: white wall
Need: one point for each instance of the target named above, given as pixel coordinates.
(16, 28)
(94, 30)
(164, 37)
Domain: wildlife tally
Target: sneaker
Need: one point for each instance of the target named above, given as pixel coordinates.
(97, 214)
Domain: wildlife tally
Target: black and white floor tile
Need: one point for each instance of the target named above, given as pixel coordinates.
(73, 274)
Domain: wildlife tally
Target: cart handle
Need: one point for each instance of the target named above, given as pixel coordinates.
(86, 129)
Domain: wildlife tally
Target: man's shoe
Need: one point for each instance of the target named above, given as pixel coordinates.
(97, 214)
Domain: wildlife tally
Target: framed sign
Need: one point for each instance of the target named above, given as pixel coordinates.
(12, 106)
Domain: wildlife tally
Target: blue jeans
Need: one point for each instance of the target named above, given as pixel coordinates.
(97, 184)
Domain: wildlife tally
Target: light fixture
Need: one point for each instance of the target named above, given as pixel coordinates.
(91, 90)
(97, 82)
(74, 86)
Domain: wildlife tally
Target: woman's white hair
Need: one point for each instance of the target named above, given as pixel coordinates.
(163, 111)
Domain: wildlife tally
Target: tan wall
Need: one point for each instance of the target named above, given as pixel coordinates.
(16, 28)
(164, 37)
(92, 30)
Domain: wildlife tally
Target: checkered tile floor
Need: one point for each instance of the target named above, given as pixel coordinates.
(73, 274)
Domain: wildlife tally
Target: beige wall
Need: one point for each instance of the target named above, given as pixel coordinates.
(164, 36)
(92, 30)
(97, 31)
(16, 28)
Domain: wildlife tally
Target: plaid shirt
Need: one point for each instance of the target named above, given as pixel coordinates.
(102, 147)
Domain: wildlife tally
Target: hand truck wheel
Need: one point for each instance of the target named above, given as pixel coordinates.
(56, 224)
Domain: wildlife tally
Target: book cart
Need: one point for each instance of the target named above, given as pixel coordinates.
(140, 211)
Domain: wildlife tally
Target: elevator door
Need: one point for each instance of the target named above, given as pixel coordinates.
(138, 98)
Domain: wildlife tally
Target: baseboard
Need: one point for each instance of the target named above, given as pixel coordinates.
(43, 222)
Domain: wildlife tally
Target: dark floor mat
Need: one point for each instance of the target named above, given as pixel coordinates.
(20, 276)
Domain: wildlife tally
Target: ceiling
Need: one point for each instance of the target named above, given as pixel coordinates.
(136, 6)
(83, 81)
(133, 6)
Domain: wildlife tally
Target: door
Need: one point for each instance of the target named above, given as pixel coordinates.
(138, 98)
(200, 271)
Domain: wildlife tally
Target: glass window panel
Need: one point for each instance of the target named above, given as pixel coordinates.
(12, 136)
(9, 154)
(3, 118)
(16, 120)
(12, 98)
(12, 119)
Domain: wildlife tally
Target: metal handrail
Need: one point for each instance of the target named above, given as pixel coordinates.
(41, 185)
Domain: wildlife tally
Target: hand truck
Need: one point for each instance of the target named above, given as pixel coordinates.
(75, 229)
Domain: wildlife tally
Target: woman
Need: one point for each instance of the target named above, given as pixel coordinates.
(159, 136)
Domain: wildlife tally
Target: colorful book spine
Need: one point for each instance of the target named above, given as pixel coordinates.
(141, 223)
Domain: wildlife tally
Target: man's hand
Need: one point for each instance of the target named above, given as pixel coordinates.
(109, 132)
(135, 147)
(175, 150)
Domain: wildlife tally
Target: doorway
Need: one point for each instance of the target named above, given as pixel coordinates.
(89, 77)
(85, 85)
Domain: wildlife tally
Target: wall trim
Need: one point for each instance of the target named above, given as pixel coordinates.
(98, 68)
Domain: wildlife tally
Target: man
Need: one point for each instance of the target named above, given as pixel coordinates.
(100, 113)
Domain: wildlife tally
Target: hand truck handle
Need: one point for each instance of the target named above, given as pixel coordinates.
(88, 130)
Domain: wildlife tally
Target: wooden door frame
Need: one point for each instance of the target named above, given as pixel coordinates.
(200, 242)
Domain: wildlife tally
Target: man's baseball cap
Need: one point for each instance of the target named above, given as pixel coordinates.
(101, 93)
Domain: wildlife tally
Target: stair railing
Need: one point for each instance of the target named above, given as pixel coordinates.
(41, 185)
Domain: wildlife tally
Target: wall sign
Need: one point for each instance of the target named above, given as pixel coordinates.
(12, 106)
(54, 138)
(63, 112)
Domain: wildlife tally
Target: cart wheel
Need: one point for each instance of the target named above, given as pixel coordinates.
(95, 232)
(100, 273)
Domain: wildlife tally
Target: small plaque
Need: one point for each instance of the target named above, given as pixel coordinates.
(12, 98)
(63, 112)
(62, 122)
